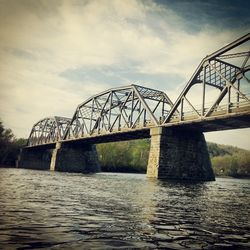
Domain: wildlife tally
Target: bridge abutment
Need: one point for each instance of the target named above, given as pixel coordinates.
(179, 154)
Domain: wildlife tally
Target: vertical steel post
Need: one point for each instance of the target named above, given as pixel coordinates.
(204, 91)
(144, 118)
(110, 108)
(139, 111)
(91, 116)
(119, 122)
(181, 113)
(162, 112)
(132, 109)
(229, 98)
(238, 95)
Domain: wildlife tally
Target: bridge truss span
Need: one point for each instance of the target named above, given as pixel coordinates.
(48, 130)
(217, 97)
(219, 86)
(119, 110)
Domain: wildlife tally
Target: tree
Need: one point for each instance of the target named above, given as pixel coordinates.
(6, 138)
(9, 146)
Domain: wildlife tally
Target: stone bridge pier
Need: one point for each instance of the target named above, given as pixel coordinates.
(35, 158)
(74, 157)
(65, 157)
(179, 154)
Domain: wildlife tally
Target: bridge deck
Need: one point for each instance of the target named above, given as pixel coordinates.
(221, 120)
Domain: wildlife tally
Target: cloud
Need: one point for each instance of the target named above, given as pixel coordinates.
(55, 54)
(221, 13)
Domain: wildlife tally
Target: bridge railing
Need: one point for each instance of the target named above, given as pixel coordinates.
(221, 110)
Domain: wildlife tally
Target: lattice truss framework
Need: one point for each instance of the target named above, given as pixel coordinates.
(119, 109)
(225, 71)
(48, 130)
(220, 84)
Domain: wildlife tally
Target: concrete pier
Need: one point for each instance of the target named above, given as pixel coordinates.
(34, 158)
(65, 157)
(77, 158)
(179, 154)
(54, 156)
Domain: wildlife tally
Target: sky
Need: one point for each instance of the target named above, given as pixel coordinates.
(54, 54)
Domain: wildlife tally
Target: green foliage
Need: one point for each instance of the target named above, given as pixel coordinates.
(9, 146)
(215, 150)
(132, 156)
(220, 150)
(127, 156)
(229, 161)
(235, 165)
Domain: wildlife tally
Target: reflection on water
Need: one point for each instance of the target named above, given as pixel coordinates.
(42, 209)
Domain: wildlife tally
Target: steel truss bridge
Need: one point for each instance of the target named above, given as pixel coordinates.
(216, 97)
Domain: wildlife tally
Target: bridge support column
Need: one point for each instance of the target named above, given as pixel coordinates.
(54, 156)
(34, 158)
(179, 154)
(77, 158)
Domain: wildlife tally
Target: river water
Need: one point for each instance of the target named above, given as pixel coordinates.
(52, 210)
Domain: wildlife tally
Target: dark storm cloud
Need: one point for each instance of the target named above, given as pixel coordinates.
(220, 14)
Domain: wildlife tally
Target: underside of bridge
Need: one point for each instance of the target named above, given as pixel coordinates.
(174, 154)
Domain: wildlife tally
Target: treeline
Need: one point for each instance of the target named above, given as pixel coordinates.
(9, 146)
(229, 161)
(132, 156)
(124, 156)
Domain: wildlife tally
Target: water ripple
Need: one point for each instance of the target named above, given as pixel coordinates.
(51, 210)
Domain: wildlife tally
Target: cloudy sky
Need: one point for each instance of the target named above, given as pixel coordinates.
(54, 54)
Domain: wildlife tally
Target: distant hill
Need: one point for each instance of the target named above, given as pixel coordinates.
(215, 149)
(132, 156)
(229, 161)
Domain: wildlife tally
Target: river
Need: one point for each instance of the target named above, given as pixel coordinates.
(53, 210)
